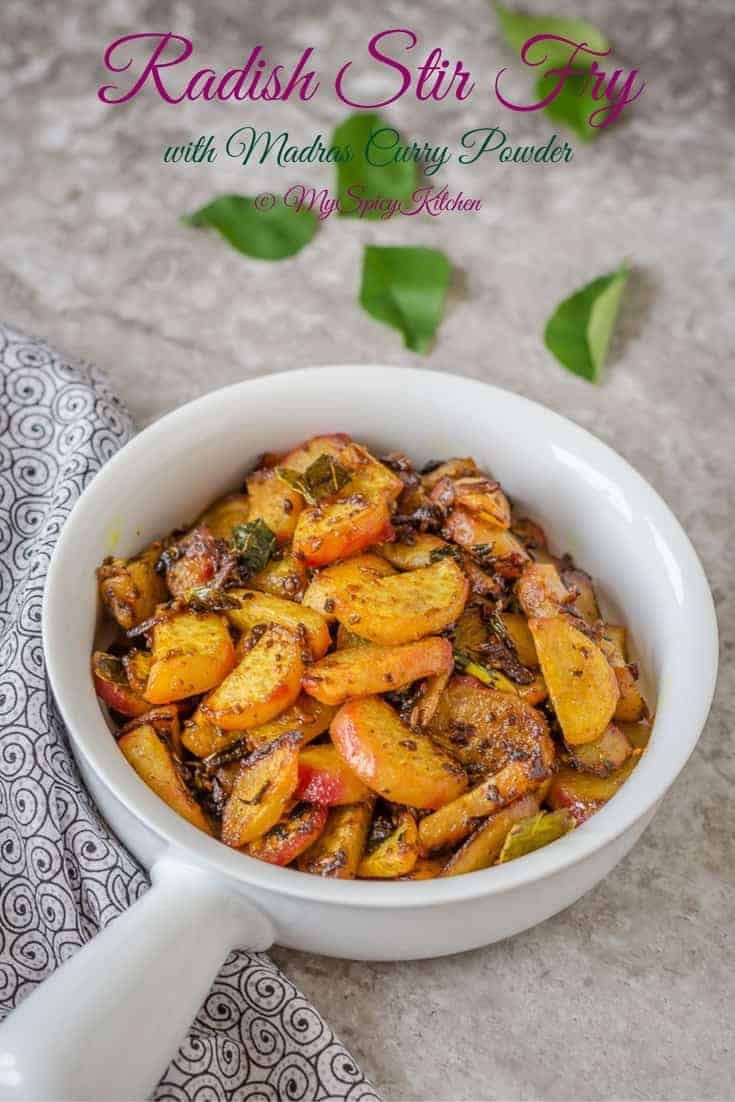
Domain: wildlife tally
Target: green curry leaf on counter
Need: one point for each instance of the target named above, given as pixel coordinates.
(406, 287)
(266, 234)
(578, 332)
(574, 104)
(518, 27)
(393, 180)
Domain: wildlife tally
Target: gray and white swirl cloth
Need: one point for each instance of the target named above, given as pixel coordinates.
(63, 875)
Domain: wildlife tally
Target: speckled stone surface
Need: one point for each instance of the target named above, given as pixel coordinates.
(629, 994)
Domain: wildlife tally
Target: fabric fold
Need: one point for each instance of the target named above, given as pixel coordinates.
(63, 874)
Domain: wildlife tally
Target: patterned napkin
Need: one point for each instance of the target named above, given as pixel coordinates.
(63, 875)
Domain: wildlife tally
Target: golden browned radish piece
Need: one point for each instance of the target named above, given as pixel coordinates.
(263, 608)
(369, 476)
(195, 562)
(471, 632)
(301, 457)
(165, 721)
(396, 855)
(581, 683)
(454, 821)
(265, 682)
(637, 734)
(201, 737)
(483, 847)
(324, 778)
(222, 517)
(483, 497)
(284, 577)
(113, 687)
(613, 644)
(541, 591)
(531, 534)
(274, 502)
(153, 763)
(483, 582)
(498, 544)
(484, 728)
(309, 717)
(291, 835)
(325, 533)
(192, 652)
(226, 776)
(452, 468)
(585, 794)
(366, 670)
(264, 784)
(424, 550)
(338, 850)
(585, 600)
(519, 633)
(631, 706)
(400, 764)
(426, 868)
(130, 589)
(603, 756)
(137, 665)
(331, 586)
(535, 692)
(428, 702)
(402, 608)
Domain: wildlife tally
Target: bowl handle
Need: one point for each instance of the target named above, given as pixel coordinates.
(106, 1024)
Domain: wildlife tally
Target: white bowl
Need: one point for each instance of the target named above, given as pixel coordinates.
(589, 500)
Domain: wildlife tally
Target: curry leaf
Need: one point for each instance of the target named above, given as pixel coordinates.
(535, 832)
(518, 27)
(253, 543)
(578, 332)
(322, 478)
(405, 286)
(253, 229)
(393, 180)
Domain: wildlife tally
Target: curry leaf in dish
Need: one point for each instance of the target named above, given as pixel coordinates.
(254, 544)
(324, 477)
(534, 833)
(264, 234)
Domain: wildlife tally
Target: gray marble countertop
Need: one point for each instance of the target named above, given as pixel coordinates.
(629, 993)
